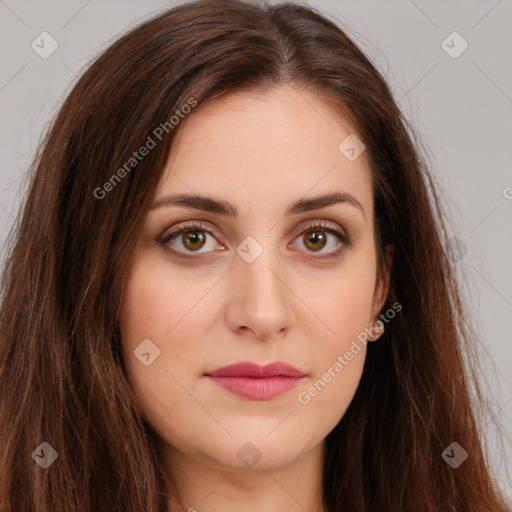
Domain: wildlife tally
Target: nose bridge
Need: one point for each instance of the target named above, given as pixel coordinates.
(258, 282)
(258, 269)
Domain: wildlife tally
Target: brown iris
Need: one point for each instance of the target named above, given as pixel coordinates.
(315, 240)
(193, 240)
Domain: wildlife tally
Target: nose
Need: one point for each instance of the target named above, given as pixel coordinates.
(260, 300)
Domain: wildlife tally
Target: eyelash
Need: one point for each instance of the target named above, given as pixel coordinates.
(345, 240)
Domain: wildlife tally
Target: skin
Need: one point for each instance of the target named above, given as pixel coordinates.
(261, 153)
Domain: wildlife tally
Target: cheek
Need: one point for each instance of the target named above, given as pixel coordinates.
(156, 301)
(340, 349)
(158, 311)
(342, 302)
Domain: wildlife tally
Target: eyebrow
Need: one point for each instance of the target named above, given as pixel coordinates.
(209, 204)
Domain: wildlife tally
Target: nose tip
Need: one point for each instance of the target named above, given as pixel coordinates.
(260, 299)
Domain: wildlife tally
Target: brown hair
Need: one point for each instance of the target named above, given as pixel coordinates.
(62, 377)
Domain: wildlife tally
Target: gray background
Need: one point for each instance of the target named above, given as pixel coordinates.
(461, 106)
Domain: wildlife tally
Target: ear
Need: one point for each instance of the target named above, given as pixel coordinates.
(382, 284)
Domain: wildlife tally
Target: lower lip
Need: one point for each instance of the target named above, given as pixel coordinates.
(257, 388)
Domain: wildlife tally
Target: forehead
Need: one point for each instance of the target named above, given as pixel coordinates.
(273, 145)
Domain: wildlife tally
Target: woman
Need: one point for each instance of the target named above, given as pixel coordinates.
(229, 287)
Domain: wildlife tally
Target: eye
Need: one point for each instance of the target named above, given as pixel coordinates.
(186, 240)
(321, 235)
(191, 238)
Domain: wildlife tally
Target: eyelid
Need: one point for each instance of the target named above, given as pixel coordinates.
(311, 224)
(191, 224)
(210, 228)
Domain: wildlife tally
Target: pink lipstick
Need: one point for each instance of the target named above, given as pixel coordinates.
(256, 382)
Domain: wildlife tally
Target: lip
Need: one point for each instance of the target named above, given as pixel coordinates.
(256, 382)
(250, 369)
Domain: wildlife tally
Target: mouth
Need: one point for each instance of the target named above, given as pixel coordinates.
(255, 382)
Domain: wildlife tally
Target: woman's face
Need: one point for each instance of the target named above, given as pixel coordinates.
(261, 285)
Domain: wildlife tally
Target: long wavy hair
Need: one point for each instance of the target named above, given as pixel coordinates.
(62, 377)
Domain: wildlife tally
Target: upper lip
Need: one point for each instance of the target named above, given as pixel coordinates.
(250, 369)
